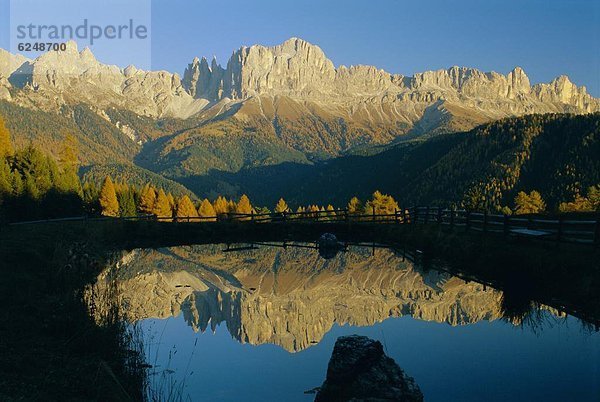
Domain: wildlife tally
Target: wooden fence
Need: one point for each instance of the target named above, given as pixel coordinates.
(560, 228)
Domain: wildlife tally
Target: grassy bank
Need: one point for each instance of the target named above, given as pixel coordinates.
(50, 347)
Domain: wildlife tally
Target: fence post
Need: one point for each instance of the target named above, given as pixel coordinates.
(403, 216)
(396, 215)
(559, 232)
(426, 215)
(373, 213)
(485, 221)
(252, 215)
(451, 218)
(467, 221)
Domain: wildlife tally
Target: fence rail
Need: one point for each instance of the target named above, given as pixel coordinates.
(558, 229)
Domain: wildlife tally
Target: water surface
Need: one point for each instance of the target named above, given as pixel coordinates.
(260, 324)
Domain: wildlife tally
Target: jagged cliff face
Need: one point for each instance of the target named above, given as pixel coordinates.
(296, 84)
(71, 77)
(293, 297)
(300, 70)
(296, 91)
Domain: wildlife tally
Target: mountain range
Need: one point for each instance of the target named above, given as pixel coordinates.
(267, 107)
(290, 297)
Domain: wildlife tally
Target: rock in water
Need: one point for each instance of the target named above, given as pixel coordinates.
(359, 370)
(328, 240)
(328, 246)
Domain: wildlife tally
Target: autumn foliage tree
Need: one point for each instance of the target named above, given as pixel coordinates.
(147, 200)
(381, 204)
(331, 214)
(531, 203)
(186, 208)
(589, 203)
(244, 206)
(109, 204)
(281, 206)
(356, 207)
(207, 210)
(221, 206)
(162, 206)
(6, 148)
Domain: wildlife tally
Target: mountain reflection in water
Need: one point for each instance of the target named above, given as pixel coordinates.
(292, 297)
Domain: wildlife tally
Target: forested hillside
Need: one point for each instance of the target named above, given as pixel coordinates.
(557, 155)
(132, 175)
(99, 141)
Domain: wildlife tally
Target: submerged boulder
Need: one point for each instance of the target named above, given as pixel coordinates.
(359, 370)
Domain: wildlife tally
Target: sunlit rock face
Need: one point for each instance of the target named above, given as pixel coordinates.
(293, 297)
(74, 76)
(292, 87)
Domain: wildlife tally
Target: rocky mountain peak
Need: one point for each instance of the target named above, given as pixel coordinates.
(518, 80)
(301, 73)
(9, 63)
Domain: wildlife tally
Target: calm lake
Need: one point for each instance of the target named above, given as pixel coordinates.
(260, 324)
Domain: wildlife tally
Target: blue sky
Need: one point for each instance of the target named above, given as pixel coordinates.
(545, 37)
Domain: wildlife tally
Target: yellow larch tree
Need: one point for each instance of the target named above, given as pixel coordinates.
(147, 199)
(207, 210)
(109, 204)
(186, 208)
(281, 206)
(162, 207)
(6, 148)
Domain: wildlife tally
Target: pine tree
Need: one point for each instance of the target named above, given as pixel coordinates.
(31, 189)
(207, 211)
(6, 148)
(126, 200)
(39, 171)
(109, 204)
(91, 194)
(186, 208)
(18, 188)
(147, 199)
(162, 207)
(5, 178)
(281, 206)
